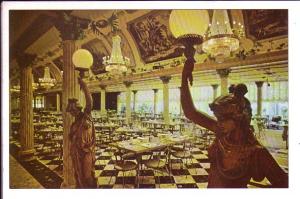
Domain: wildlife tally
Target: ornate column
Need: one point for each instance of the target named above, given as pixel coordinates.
(155, 101)
(128, 101)
(70, 90)
(165, 80)
(215, 90)
(71, 29)
(118, 101)
(180, 108)
(259, 85)
(58, 102)
(223, 73)
(43, 104)
(27, 151)
(45, 101)
(103, 100)
(34, 101)
(134, 99)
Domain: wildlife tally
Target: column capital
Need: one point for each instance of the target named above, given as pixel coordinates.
(102, 86)
(215, 86)
(259, 83)
(127, 83)
(69, 26)
(25, 59)
(155, 90)
(165, 79)
(134, 91)
(223, 72)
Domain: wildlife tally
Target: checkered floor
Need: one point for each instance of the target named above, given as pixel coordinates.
(192, 175)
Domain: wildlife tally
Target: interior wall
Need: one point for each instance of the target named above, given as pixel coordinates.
(50, 102)
(111, 101)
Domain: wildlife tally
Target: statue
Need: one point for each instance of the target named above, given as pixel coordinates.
(235, 155)
(82, 137)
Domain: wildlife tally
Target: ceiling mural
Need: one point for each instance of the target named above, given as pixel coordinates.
(153, 37)
(264, 24)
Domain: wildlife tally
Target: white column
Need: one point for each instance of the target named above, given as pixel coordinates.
(165, 80)
(103, 100)
(259, 85)
(134, 100)
(180, 107)
(43, 104)
(128, 101)
(155, 101)
(27, 151)
(70, 90)
(34, 101)
(223, 73)
(118, 102)
(57, 102)
(215, 90)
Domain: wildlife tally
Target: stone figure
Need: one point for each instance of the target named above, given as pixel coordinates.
(235, 155)
(82, 137)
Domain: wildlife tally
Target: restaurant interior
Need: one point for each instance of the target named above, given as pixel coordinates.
(132, 62)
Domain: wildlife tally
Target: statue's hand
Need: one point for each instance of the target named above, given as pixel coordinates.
(188, 71)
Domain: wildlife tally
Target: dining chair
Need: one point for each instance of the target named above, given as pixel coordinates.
(183, 152)
(122, 163)
(158, 162)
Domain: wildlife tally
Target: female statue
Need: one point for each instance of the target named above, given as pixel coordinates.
(82, 137)
(235, 155)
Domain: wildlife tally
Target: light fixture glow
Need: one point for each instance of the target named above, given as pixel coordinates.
(184, 22)
(82, 59)
(116, 64)
(220, 40)
(47, 81)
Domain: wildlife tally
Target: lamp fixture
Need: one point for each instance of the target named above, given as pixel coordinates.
(47, 82)
(82, 60)
(116, 64)
(221, 40)
(189, 27)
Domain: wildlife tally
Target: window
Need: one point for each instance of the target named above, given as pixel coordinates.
(144, 101)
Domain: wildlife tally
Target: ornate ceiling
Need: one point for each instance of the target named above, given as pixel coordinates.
(148, 42)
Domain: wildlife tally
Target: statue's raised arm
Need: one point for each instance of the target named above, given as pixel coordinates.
(88, 96)
(188, 107)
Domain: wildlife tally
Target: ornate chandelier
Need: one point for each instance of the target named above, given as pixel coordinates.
(220, 40)
(47, 81)
(116, 64)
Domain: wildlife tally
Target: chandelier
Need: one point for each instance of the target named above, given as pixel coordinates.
(47, 82)
(221, 40)
(116, 64)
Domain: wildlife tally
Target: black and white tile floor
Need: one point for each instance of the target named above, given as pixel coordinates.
(194, 175)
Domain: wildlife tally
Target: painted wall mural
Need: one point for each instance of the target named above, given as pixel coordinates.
(153, 37)
(264, 24)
